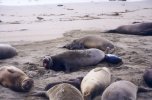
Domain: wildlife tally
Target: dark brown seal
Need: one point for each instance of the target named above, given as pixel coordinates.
(144, 29)
(148, 77)
(95, 82)
(74, 59)
(15, 79)
(122, 90)
(63, 91)
(75, 82)
(91, 42)
(7, 51)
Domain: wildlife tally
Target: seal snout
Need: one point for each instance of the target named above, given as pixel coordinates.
(27, 84)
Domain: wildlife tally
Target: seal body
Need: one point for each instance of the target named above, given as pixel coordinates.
(64, 91)
(15, 79)
(91, 42)
(73, 59)
(144, 29)
(95, 82)
(75, 82)
(148, 77)
(120, 90)
(7, 51)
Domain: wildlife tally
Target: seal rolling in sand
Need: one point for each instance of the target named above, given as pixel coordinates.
(15, 79)
(91, 42)
(63, 91)
(144, 29)
(7, 51)
(74, 59)
(95, 82)
(123, 90)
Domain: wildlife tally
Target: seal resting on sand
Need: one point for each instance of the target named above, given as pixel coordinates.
(74, 59)
(15, 79)
(75, 82)
(62, 91)
(122, 90)
(144, 29)
(148, 77)
(7, 51)
(95, 82)
(91, 42)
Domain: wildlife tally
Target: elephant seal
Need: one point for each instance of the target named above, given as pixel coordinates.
(148, 77)
(62, 91)
(95, 82)
(15, 79)
(7, 51)
(91, 42)
(122, 90)
(74, 59)
(75, 82)
(144, 29)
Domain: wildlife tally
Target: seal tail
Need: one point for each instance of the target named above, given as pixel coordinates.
(39, 93)
(144, 89)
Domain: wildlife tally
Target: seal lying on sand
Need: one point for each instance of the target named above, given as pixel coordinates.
(62, 91)
(144, 29)
(91, 42)
(95, 82)
(73, 60)
(148, 77)
(7, 51)
(122, 90)
(15, 79)
(75, 82)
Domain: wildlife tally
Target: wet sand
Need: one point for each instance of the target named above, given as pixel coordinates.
(36, 38)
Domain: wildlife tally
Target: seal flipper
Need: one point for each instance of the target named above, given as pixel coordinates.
(110, 31)
(39, 93)
(147, 32)
(144, 89)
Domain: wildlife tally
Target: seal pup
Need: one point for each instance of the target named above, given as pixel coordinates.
(7, 51)
(148, 77)
(91, 42)
(63, 91)
(95, 82)
(15, 79)
(122, 90)
(144, 29)
(74, 59)
(75, 82)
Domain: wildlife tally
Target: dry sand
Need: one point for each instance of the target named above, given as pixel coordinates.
(35, 38)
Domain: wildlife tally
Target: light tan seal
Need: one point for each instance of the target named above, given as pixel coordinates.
(95, 82)
(15, 79)
(122, 90)
(7, 51)
(91, 42)
(63, 91)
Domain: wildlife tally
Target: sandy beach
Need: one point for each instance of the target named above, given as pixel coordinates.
(37, 31)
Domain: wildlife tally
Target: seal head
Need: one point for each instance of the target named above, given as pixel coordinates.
(27, 84)
(47, 62)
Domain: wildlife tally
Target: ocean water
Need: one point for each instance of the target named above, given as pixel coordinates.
(42, 2)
